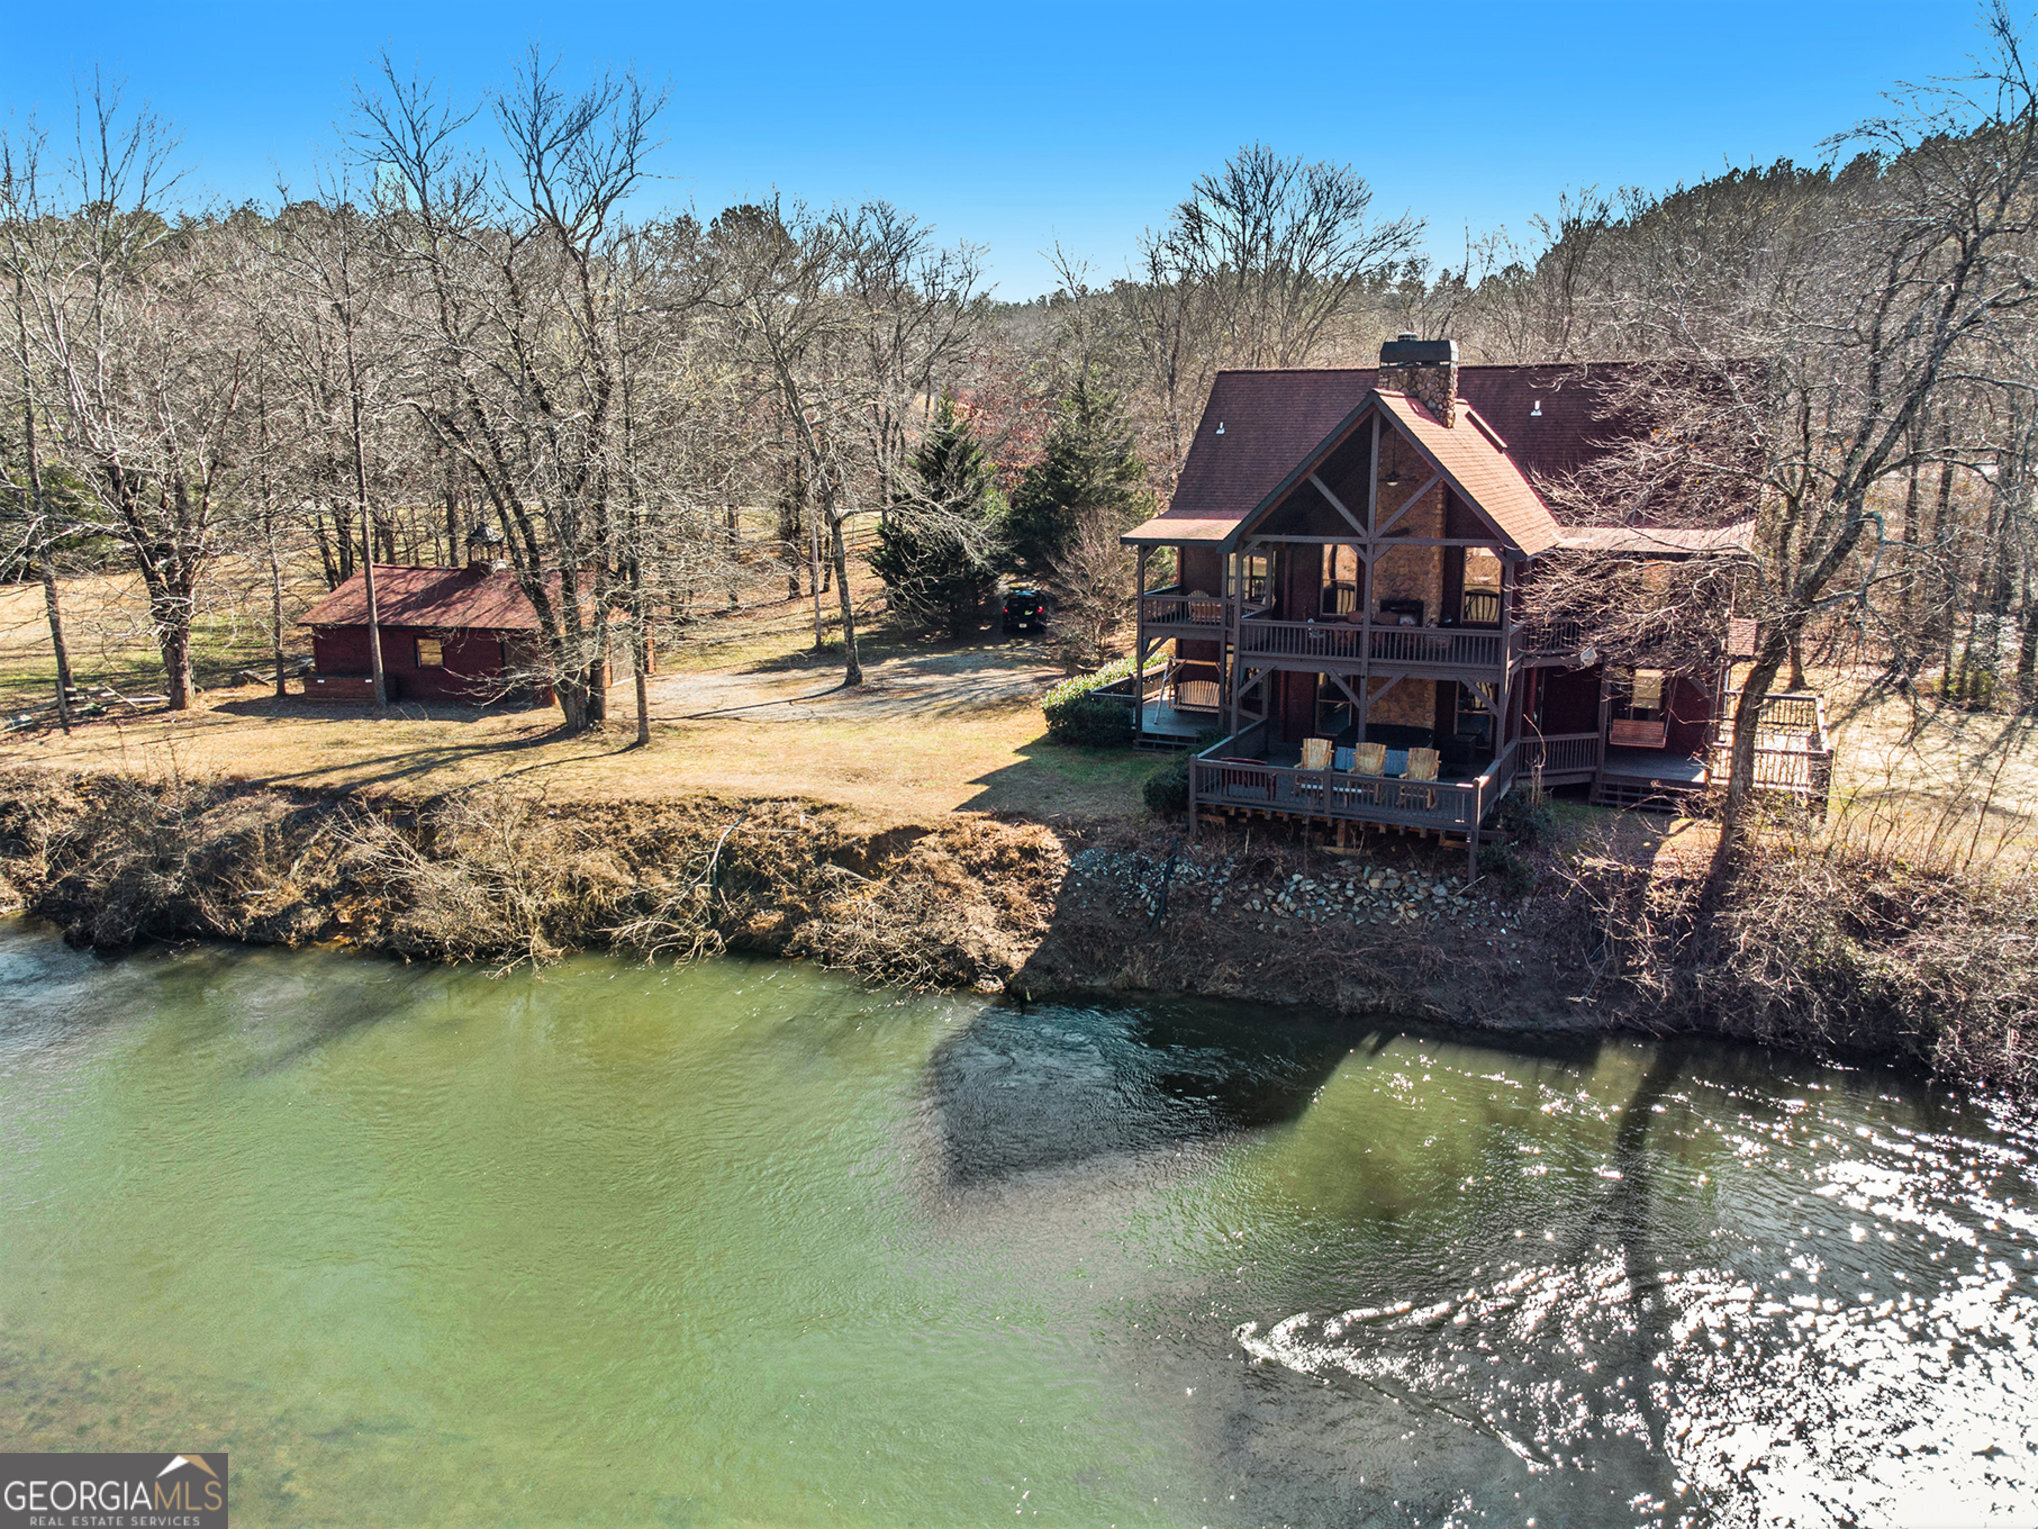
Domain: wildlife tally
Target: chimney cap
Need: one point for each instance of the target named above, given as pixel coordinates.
(1408, 350)
(484, 535)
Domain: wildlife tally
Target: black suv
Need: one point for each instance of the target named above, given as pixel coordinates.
(1025, 610)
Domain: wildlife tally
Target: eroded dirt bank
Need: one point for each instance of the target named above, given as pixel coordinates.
(1800, 950)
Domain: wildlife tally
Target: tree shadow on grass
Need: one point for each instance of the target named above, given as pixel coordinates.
(1054, 782)
(409, 762)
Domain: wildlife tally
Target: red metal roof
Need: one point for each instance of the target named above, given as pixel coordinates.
(1272, 420)
(441, 599)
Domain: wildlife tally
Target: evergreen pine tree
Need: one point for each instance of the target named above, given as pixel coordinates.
(1090, 470)
(940, 545)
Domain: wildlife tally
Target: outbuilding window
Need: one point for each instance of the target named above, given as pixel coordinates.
(431, 653)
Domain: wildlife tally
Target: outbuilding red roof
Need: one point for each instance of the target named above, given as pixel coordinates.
(439, 599)
(1260, 425)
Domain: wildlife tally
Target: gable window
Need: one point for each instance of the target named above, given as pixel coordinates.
(431, 653)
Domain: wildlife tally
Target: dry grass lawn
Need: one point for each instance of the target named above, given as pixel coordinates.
(746, 708)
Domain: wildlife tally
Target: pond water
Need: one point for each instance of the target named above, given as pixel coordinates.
(748, 1244)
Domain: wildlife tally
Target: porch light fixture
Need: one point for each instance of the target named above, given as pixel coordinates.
(1393, 478)
(1537, 411)
(1220, 427)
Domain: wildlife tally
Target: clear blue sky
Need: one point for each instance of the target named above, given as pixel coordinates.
(1014, 126)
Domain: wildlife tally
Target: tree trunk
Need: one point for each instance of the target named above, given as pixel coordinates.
(735, 546)
(58, 646)
(269, 542)
(852, 672)
(2027, 655)
(572, 693)
(598, 682)
(1741, 757)
(276, 615)
(814, 577)
(374, 629)
(643, 694)
(171, 613)
(43, 537)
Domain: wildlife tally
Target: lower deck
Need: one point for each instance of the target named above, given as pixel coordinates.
(1164, 725)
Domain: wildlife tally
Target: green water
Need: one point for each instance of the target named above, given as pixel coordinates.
(747, 1244)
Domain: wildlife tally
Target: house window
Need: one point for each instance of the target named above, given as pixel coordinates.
(431, 653)
(1340, 580)
(1253, 571)
(1481, 603)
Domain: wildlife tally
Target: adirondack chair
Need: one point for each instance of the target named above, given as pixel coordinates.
(1370, 759)
(1316, 753)
(1422, 765)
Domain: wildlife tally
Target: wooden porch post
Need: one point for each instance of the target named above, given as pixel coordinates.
(1139, 648)
(1227, 661)
(1367, 551)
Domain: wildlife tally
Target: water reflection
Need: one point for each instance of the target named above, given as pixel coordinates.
(1019, 1090)
(746, 1243)
(1733, 1307)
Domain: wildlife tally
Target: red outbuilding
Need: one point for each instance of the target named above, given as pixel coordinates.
(448, 634)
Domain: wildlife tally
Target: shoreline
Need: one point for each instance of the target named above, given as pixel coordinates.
(971, 902)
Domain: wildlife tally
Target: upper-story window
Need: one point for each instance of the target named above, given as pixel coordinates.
(1254, 573)
(431, 653)
(1340, 580)
(1482, 587)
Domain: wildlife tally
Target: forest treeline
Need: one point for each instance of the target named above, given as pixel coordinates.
(469, 323)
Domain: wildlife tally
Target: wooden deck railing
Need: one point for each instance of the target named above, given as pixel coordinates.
(1549, 637)
(1803, 772)
(1172, 607)
(1787, 718)
(1338, 641)
(1793, 752)
(1228, 776)
(1560, 753)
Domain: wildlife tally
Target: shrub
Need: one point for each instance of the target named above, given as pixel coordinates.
(1167, 789)
(1077, 715)
(1527, 817)
(1508, 867)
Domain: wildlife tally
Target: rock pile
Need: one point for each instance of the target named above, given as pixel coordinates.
(1369, 894)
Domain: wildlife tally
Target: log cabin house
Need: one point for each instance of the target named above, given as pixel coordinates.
(1349, 549)
(448, 634)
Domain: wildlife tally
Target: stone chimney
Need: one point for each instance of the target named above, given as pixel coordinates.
(484, 549)
(1426, 370)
